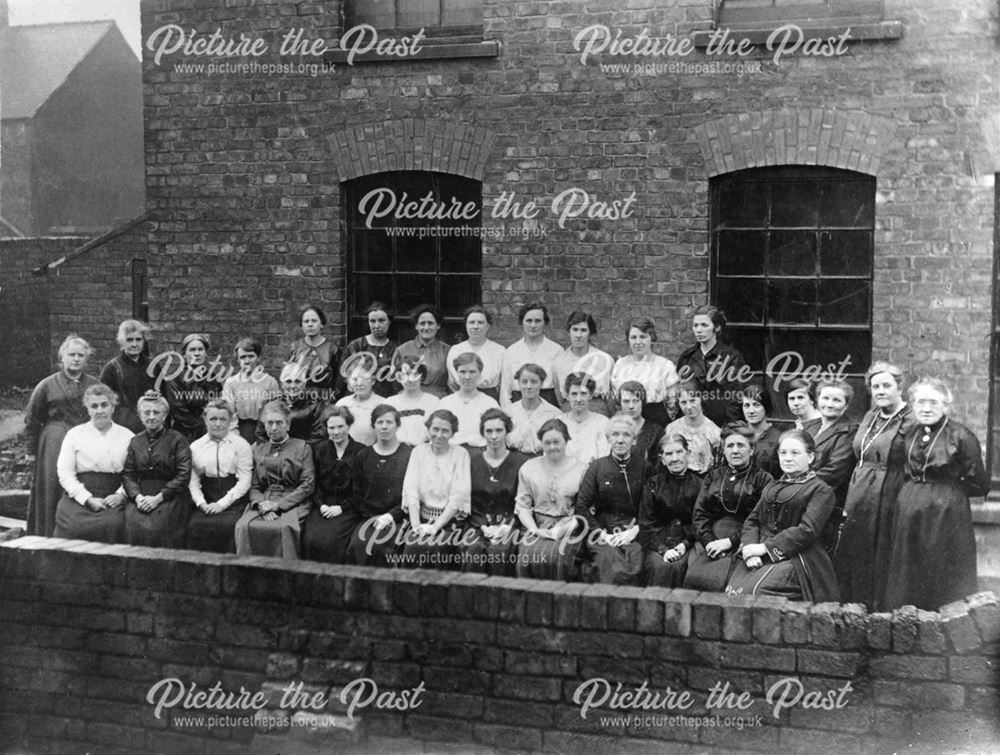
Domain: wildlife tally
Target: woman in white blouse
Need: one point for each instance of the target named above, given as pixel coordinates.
(531, 411)
(657, 374)
(477, 325)
(221, 469)
(587, 429)
(582, 356)
(89, 467)
(533, 348)
(437, 494)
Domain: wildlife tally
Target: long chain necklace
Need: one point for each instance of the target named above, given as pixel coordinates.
(740, 487)
(888, 421)
(927, 453)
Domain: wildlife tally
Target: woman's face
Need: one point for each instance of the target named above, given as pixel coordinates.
(621, 438)
(703, 328)
(753, 411)
(152, 415)
(553, 445)
(641, 343)
(195, 353)
(832, 403)
(928, 405)
(674, 457)
(468, 376)
(336, 429)
(408, 377)
(74, 358)
(631, 404)
(427, 327)
(293, 384)
(579, 399)
(529, 384)
(690, 404)
(247, 359)
(378, 324)
(579, 335)
(793, 456)
(217, 422)
(737, 451)
(100, 409)
(134, 343)
(495, 433)
(885, 391)
(440, 432)
(311, 324)
(361, 384)
(276, 426)
(476, 327)
(533, 323)
(386, 428)
(799, 402)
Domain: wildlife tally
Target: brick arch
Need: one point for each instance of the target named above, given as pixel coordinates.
(848, 139)
(412, 144)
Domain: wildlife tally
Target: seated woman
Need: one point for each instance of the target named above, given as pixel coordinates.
(835, 460)
(756, 405)
(781, 553)
(589, 430)
(221, 468)
(305, 411)
(529, 412)
(608, 501)
(413, 405)
(326, 532)
(377, 491)
(189, 392)
(436, 495)
(281, 489)
(666, 529)
(373, 352)
(727, 497)
(247, 391)
(703, 435)
(361, 402)
(489, 544)
(546, 497)
(90, 465)
(631, 398)
(156, 476)
(468, 403)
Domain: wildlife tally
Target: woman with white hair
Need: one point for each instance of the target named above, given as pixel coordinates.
(55, 406)
(128, 373)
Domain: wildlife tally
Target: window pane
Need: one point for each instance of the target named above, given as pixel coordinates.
(742, 204)
(795, 204)
(415, 289)
(461, 255)
(791, 302)
(417, 255)
(369, 288)
(417, 13)
(372, 250)
(456, 293)
(848, 204)
(461, 12)
(741, 252)
(744, 299)
(844, 302)
(846, 253)
(792, 253)
(749, 342)
(834, 347)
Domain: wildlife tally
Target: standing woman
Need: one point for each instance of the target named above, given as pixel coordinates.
(156, 477)
(530, 411)
(247, 391)
(376, 352)
(717, 365)
(532, 348)
(305, 411)
(90, 466)
(281, 489)
(190, 392)
(781, 553)
(757, 406)
(316, 354)
(861, 555)
(835, 458)
(800, 395)
(582, 356)
(727, 497)
(931, 545)
(477, 325)
(221, 468)
(427, 349)
(666, 528)
(657, 374)
(55, 406)
(128, 373)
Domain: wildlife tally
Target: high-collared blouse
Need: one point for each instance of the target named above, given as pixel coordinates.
(413, 415)
(87, 449)
(519, 353)
(164, 457)
(434, 481)
(727, 493)
(667, 509)
(56, 398)
(611, 492)
(588, 440)
(596, 363)
(435, 356)
(247, 395)
(129, 378)
(283, 472)
(549, 490)
(492, 355)
(469, 412)
(221, 458)
(790, 516)
(945, 452)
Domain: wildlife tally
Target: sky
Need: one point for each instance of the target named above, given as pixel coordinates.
(125, 12)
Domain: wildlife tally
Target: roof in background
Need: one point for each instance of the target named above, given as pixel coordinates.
(36, 60)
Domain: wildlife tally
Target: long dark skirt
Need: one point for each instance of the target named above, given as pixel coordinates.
(481, 555)
(329, 540)
(164, 526)
(660, 573)
(214, 532)
(932, 560)
(805, 576)
(547, 559)
(437, 552)
(617, 565)
(45, 488)
(76, 522)
(707, 574)
(370, 547)
(278, 538)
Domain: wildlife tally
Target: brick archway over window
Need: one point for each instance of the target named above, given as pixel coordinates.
(848, 139)
(413, 144)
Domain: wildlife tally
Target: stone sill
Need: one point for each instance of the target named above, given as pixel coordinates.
(863, 32)
(447, 51)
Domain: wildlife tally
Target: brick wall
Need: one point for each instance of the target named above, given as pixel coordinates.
(16, 181)
(88, 630)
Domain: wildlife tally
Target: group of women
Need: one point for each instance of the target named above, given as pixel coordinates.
(532, 460)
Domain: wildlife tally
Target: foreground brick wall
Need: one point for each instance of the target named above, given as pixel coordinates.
(88, 630)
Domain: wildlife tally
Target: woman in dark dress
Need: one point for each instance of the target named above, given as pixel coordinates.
(377, 491)
(188, 393)
(128, 374)
(608, 501)
(55, 406)
(221, 472)
(90, 466)
(305, 412)
(717, 366)
(931, 545)
(666, 528)
(156, 477)
(428, 350)
(757, 407)
(373, 352)
(317, 356)
(834, 436)
(727, 497)
(489, 544)
(861, 556)
(781, 553)
(632, 398)
(327, 531)
(800, 396)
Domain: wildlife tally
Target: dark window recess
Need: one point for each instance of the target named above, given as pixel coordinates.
(453, 19)
(140, 290)
(440, 263)
(792, 259)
